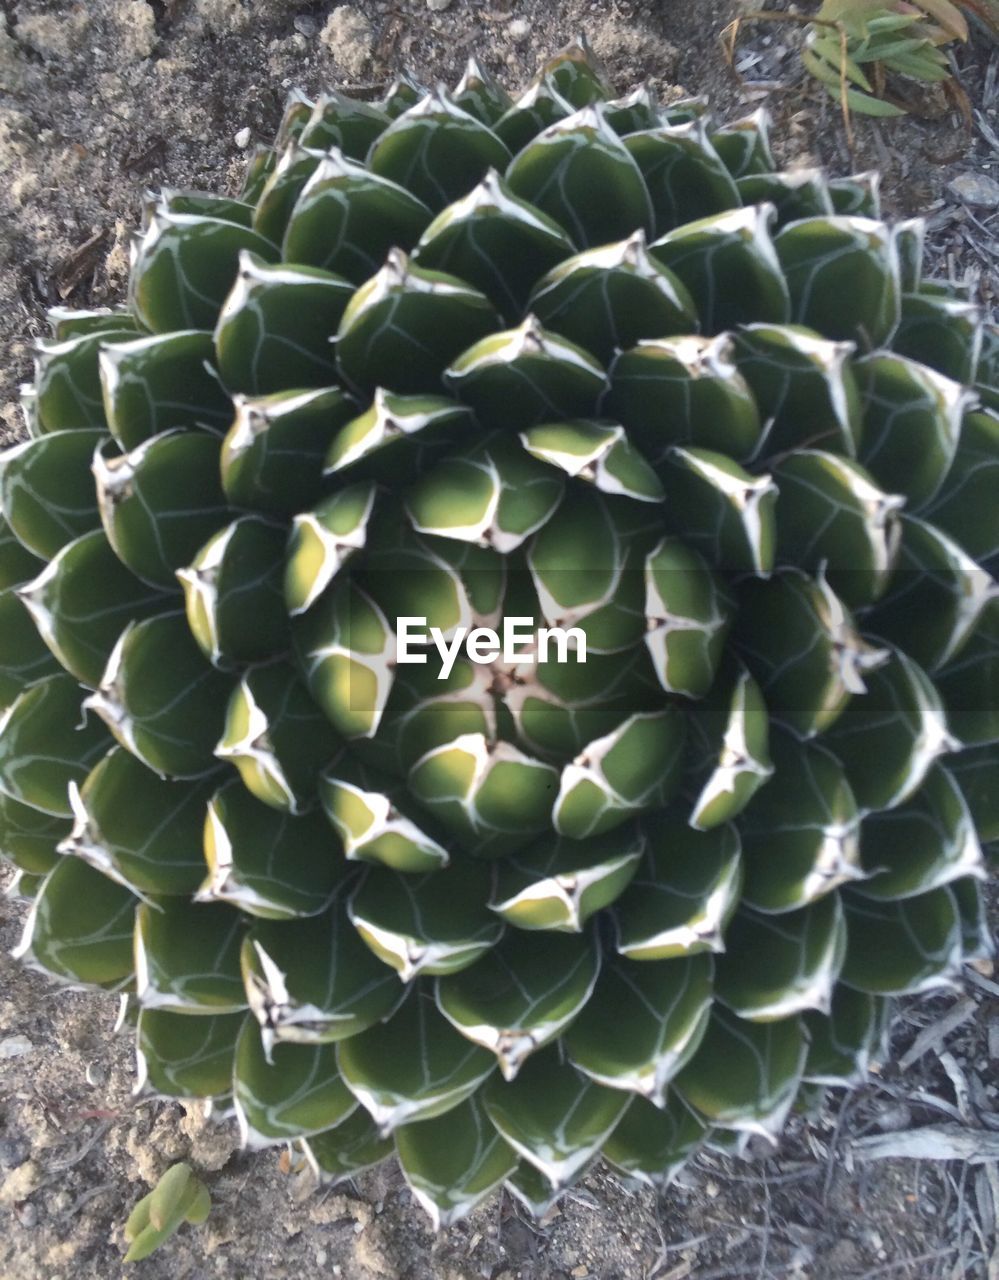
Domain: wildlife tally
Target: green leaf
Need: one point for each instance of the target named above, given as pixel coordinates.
(633, 112)
(496, 242)
(267, 862)
(744, 144)
(974, 770)
(17, 563)
(234, 591)
(580, 173)
(478, 93)
(800, 834)
(539, 106)
(293, 1091)
(453, 1161)
(976, 932)
(28, 837)
(184, 266)
(340, 1153)
(888, 739)
(273, 330)
(47, 491)
(683, 172)
(68, 322)
(45, 744)
(293, 166)
(653, 1143)
(187, 957)
(688, 614)
(683, 894)
(642, 1023)
(842, 273)
(155, 384)
(404, 92)
(495, 495)
(24, 656)
(683, 391)
(524, 376)
(161, 699)
(777, 966)
(609, 297)
(273, 455)
(928, 841)
(137, 828)
(586, 564)
(745, 1075)
(79, 928)
(798, 193)
(964, 508)
(559, 883)
(344, 646)
(313, 981)
(635, 768)
(812, 662)
(935, 598)
(436, 150)
(406, 325)
(67, 386)
(160, 502)
(490, 795)
(396, 436)
(277, 738)
(532, 1189)
(912, 424)
(941, 331)
(969, 683)
(902, 947)
(435, 923)
(364, 809)
(860, 194)
(596, 453)
(343, 122)
(843, 1040)
(522, 994)
(729, 265)
(347, 219)
(721, 510)
(552, 1116)
(804, 387)
(81, 602)
(730, 759)
(831, 516)
(414, 1066)
(185, 1056)
(323, 540)
(575, 73)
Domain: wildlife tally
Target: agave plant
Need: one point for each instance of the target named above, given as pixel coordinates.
(585, 361)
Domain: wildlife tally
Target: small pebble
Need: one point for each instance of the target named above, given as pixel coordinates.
(438, 6)
(519, 29)
(976, 189)
(242, 139)
(305, 25)
(96, 1075)
(13, 1152)
(15, 1046)
(26, 1213)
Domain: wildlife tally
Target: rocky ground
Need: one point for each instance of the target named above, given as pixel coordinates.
(102, 99)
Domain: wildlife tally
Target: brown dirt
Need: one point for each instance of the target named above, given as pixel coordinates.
(102, 99)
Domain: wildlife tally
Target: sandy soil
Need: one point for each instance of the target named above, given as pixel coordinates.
(99, 100)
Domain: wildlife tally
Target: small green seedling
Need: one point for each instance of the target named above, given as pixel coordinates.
(177, 1198)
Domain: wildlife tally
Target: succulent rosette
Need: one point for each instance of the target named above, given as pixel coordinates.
(589, 362)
